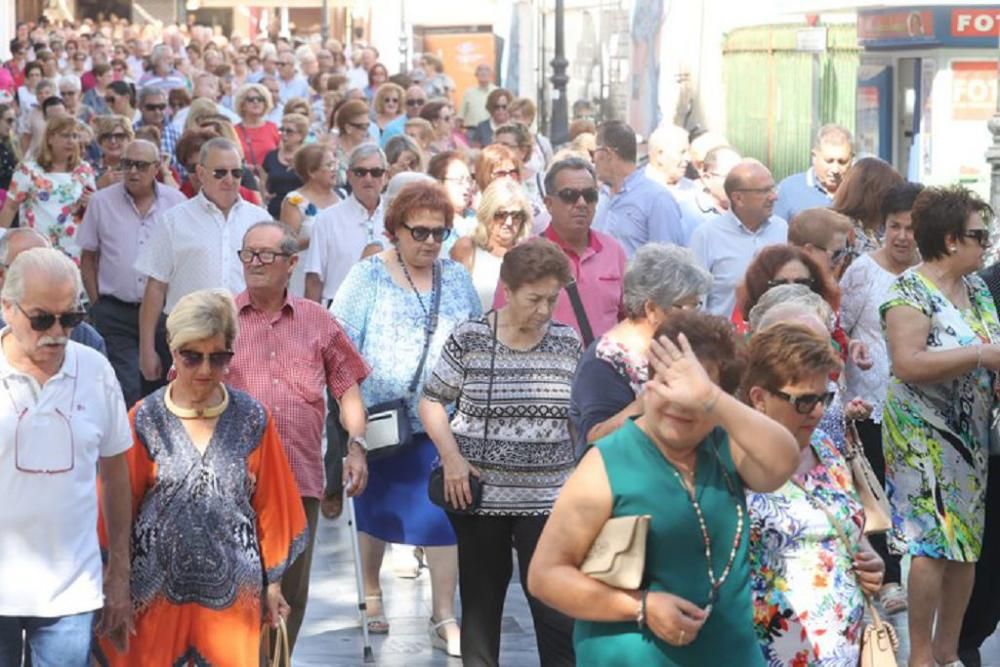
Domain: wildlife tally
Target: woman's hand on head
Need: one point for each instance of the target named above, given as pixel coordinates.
(678, 376)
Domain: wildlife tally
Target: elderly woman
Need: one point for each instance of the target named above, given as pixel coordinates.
(504, 220)
(351, 120)
(498, 106)
(301, 106)
(218, 516)
(860, 197)
(496, 161)
(315, 166)
(659, 280)
(686, 462)
(808, 585)
(522, 459)
(378, 75)
(865, 286)
(421, 131)
(279, 172)
(120, 100)
(451, 170)
(258, 135)
(399, 306)
(942, 334)
(517, 137)
(440, 114)
(51, 192)
(113, 135)
(403, 154)
(388, 104)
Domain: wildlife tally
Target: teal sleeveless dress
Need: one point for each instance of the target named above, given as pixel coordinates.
(643, 482)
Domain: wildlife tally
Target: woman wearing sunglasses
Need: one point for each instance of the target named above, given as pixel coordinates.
(398, 307)
(388, 104)
(351, 120)
(942, 333)
(258, 135)
(278, 168)
(113, 135)
(808, 588)
(217, 512)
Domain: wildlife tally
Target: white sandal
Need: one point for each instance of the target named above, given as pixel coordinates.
(452, 648)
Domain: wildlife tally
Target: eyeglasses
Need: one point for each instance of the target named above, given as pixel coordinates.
(805, 403)
(254, 98)
(500, 107)
(287, 130)
(506, 173)
(114, 136)
(808, 282)
(7, 119)
(44, 321)
(839, 254)
(421, 234)
(155, 107)
(572, 195)
(263, 256)
(216, 360)
(139, 165)
(219, 174)
(416, 103)
(359, 126)
(375, 172)
(517, 216)
(67, 93)
(981, 236)
(461, 180)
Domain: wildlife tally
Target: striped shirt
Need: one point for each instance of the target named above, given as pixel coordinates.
(287, 361)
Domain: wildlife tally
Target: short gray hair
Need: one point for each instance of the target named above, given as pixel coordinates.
(663, 274)
(569, 164)
(400, 181)
(216, 144)
(366, 151)
(150, 91)
(289, 237)
(779, 302)
(55, 266)
(70, 81)
(9, 236)
(831, 133)
(200, 315)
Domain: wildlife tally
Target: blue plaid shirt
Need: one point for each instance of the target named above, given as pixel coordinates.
(168, 144)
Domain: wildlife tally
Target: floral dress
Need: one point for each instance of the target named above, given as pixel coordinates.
(49, 202)
(807, 603)
(936, 436)
(631, 366)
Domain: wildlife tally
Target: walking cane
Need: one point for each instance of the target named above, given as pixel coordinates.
(369, 656)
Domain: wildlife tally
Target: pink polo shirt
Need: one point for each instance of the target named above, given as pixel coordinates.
(599, 275)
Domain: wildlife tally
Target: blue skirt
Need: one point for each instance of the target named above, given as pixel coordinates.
(395, 506)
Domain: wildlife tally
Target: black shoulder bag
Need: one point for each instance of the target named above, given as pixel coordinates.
(581, 314)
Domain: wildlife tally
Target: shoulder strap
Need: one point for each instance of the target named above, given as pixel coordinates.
(581, 314)
(432, 322)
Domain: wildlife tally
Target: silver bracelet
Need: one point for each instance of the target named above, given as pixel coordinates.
(640, 617)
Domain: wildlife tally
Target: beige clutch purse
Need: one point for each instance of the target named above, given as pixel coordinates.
(618, 555)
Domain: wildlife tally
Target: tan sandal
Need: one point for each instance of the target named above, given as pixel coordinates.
(378, 624)
(893, 599)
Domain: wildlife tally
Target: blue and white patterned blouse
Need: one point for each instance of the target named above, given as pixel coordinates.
(386, 324)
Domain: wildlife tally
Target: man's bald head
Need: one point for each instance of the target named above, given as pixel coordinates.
(16, 241)
(669, 152)
(141, 149)
(743, 174)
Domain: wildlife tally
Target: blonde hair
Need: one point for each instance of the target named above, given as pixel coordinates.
(425, 127)
(298, 105)
(244, 92)
(501, 193)
(200, 109)
(300, 122)
(200, 315)
(107, 124)
(54, 126)
(383, 92)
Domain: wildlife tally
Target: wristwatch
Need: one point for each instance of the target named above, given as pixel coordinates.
(360, 441)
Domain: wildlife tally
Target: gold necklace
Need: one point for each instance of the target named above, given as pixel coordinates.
(196, 413)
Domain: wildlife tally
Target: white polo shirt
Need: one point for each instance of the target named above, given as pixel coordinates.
(339, 236)
(50, 560)
(193, 247)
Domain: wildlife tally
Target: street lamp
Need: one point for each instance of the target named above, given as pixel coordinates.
(559, 130)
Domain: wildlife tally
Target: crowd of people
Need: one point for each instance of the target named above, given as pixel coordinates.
(245, 279)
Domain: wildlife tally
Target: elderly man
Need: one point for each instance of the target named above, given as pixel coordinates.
(638, 211)
(163, 75)
(341, 232)
(592, 303)
(289, 353)
(206, 87)
(473, 110)
(16, 241)
(62, 424)
(290, 83)
(120, 220)
(72, 97)
(709, 199)
(153, 107)
(726, 245)
(193, 247)
(414, 100)
(832, 154)
(669, 156)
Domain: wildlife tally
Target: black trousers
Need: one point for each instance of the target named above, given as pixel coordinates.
(983, 612)
(871, 442)
(336, 448)
(118, 322)
(485, 565)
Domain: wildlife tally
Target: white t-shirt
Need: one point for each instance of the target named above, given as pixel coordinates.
(50, 560)
(339, 236)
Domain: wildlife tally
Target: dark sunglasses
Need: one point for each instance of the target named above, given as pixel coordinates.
(572, 195)
(805, 403)
(391, 100)
(156, 107)
(416, 103)
(219, 174)
(981, 236)
(255, 98)
(774, 282)
(287, 130)
(361, 172)
(517, 216)
(421, 234)
(110, 99)
(44, 321)
(263, 256)
(114, 136)
(216, 360)
(500, 107)
(140, 165)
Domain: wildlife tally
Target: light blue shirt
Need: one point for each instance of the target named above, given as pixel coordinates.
(696, 208)
(643, 212)
(799, 192)
(726, 247)
(393, 129)
(297, 87)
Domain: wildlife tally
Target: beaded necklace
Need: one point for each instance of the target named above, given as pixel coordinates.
(716, 583)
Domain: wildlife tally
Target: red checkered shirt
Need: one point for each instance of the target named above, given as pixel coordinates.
(287, 361)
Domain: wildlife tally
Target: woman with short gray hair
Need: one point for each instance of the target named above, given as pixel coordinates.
(659, 279)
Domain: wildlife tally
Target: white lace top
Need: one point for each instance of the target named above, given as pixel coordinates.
(864, 287)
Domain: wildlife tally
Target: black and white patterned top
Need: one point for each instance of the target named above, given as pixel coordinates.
(527, 454)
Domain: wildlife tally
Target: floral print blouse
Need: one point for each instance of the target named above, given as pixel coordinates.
(808, 606)
(49, 202)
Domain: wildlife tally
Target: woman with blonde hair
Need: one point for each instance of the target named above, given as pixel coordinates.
(388, 104)
(199, 110)
(52, 190)
(113, 135)
(258, 135)
(503, 220)
(301, 106)
(421, 131)
(316, 166)
(279, 178)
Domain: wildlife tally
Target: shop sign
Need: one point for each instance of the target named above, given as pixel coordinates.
(896, 25)
(973, 89)
(973, 22)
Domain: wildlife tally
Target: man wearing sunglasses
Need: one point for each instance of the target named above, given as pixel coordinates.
(638, 210)
(153, 107)
(193, 247)
(414, 101)
(341, 232)
(120, 219)
(728, 243)
(822, 234)
(63, 424)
